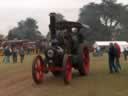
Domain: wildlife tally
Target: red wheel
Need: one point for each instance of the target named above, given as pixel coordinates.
(38, 70)
(67, 69)
(84, 67)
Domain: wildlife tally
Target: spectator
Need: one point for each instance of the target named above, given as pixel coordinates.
(125, 53)
(14, 54)
(28, 50)
(98, 50)
(117, 55)
(22, 53)
(10, 52)
(7, 53)
(111, 54)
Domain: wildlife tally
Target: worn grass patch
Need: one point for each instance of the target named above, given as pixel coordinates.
(17, 78)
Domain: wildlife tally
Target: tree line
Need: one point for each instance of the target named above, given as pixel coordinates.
(26, 29)
(108, 20)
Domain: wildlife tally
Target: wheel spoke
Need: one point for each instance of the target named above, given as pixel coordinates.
(38, 65)
(86, 61)
(68, 69)
(38, 75)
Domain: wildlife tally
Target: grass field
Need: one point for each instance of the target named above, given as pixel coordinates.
(16, 80)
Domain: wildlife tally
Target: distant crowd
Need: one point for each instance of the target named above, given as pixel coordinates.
(11, 53)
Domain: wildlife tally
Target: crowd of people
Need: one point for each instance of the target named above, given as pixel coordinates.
(13, 52)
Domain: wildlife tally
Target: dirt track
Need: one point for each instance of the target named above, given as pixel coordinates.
(16, 80)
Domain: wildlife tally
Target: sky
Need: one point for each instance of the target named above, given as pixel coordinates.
(12, 11)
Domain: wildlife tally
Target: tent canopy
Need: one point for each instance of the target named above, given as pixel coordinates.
(122, 44)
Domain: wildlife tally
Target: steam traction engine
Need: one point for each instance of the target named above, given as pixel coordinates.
(66, 51)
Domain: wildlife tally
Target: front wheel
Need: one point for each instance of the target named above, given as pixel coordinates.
(38, 69)
(67, 65)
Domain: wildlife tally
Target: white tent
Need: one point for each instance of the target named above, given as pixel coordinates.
(122, 44)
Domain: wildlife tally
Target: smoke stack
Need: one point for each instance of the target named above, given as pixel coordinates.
(52, 25)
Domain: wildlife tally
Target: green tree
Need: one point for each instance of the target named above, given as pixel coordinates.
(104, 19)
(27, 29)
(124, 24)
(1, 37)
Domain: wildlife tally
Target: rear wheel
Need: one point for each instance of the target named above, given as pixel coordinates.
(38, 70)
(84, 61)
(67, 69)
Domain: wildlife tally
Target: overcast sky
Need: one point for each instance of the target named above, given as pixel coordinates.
(12, 11)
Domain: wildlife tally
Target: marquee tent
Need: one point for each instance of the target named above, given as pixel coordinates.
(122, 44)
